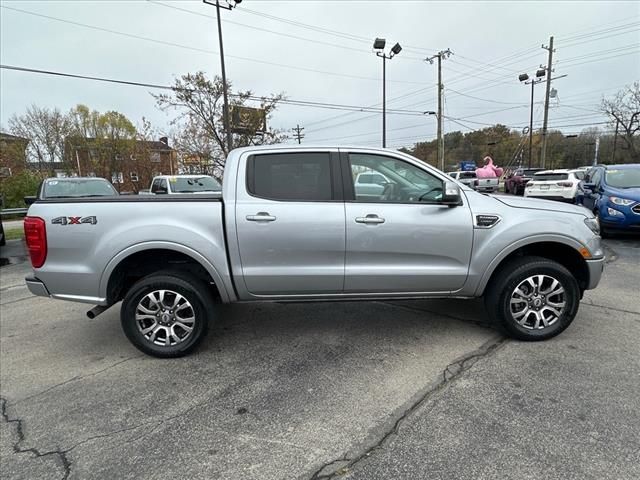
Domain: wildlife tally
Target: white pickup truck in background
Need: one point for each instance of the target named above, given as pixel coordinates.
(486, 185)
(181, 184)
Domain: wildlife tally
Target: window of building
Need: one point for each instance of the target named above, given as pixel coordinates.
(117, 177)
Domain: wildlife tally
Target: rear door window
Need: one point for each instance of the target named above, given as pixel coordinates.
(304, 176)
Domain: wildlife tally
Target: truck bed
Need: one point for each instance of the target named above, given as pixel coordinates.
(88, 237)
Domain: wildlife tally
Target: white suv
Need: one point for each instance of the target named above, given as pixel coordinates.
(555, 185)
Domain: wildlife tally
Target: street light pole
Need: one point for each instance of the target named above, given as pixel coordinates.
(384, 101)
(533, 84)
(225, 113)
(524, 78)
(378, 46)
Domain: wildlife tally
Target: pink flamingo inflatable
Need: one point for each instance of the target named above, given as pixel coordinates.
(489, 170)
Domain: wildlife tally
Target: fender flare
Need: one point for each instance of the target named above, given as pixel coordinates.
(508, 250)
(176, 247)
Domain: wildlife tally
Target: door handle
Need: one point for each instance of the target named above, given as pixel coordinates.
(370, 219)
(261, 217)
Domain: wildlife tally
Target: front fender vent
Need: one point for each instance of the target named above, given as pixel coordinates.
(486, 221)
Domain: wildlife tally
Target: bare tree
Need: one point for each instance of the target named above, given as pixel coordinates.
(624, 111)
(200, 134)
(46, 129)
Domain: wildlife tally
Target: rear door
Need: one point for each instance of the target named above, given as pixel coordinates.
(403, 241)
(290, 223)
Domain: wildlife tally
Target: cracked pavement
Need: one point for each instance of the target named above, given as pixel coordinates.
(422, 389)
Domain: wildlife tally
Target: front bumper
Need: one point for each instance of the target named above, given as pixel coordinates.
(626, 219)
(596, 267)
(36, 287)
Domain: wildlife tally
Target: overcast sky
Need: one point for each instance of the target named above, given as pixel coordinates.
(331, 60)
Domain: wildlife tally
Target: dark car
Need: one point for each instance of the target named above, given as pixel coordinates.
(516, 182)
(612, 192)
(73, 187)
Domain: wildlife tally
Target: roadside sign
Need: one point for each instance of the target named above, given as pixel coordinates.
(467, 166)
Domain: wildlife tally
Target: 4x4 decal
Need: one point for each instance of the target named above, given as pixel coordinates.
(92, 220)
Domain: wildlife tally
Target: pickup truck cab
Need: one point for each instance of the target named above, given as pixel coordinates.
(467, 178)
(72, 187)
(290, 225)
(486, 185)
(181, 184)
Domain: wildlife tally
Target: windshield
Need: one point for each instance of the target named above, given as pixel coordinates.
(194, 184)
(550, 176)
(623, 178)
(78, 188)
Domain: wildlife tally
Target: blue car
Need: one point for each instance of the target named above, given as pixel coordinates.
(612, 192)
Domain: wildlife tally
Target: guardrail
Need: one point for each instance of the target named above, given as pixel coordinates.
(13, 211)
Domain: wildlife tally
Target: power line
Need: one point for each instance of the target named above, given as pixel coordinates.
(201, 50)
(302, 103)
(232, 22)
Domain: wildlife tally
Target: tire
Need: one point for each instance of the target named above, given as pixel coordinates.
(169, 336)
(539, 320)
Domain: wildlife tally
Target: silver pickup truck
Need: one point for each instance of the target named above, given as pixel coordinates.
(289, 225)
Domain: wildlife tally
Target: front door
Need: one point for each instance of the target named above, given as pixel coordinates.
(403, 241)
(290, 223)
(591, 195)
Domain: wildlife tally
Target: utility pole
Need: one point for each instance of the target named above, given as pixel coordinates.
(442, 54)
(615, 141)
(229, 4)
(546, 103)
(298, 135)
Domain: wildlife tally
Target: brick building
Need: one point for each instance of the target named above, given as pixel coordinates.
(128, 164)
(13, 158)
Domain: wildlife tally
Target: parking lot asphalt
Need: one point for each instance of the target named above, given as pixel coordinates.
(422, 389)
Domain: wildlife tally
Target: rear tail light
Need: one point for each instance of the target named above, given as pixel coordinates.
(35, 234)
(565, 184)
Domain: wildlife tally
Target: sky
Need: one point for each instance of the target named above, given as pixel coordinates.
(321, 51)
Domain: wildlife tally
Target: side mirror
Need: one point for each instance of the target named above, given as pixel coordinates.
(451, 194)
(30, 200)
(589, 186)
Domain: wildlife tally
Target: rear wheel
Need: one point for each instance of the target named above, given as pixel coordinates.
(166, 314)
(533, 298)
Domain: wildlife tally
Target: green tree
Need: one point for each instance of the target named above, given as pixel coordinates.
(623, 110)
(13, 189)
(199, 124)
(46, 129)
(108, 139)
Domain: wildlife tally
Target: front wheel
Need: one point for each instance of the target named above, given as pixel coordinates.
(166, 314)
(533, 298)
